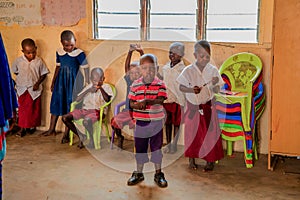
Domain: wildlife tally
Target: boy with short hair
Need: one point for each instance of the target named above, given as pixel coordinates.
(30, 72)
(146, 98)
(93, 96)
(175, 102)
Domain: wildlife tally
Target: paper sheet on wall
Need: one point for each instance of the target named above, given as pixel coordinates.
(62, 12)
(24, 13)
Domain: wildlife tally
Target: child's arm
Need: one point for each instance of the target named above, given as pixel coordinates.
(86, 75)
(194, 89)
(37, 84)
(54, 77)
(128, 58)
(84, 92)
(139, 49)
(106, 97)
(158, 100)
(141, 105)
(133, 47)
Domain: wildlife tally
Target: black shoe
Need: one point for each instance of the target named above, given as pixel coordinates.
(31, 130)
(22, 133)
(160, 180)
(135, 178)
(209, 166)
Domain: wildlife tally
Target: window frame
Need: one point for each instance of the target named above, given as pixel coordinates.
(201, 21)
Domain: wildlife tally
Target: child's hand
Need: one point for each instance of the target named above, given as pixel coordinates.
(197, 89)
(141, 104)
(215, 80)
(35, 87)
(132, 47)
(138, 48)
(94, 89)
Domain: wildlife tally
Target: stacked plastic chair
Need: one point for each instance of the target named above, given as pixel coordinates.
(241, 103)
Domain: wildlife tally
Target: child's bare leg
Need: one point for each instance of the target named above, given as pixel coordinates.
(88, 124)
(51, 130)
(66, 136)
(175, 140)
(68, 121)
(168, 137)
(120, 138)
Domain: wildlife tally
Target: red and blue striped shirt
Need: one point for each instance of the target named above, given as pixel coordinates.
(140, 91)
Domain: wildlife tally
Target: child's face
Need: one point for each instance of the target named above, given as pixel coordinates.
(97, 79)
(29, 52)
(69, 45)
(148, 71)
(202, 57)
(134, 72)
(174, 56)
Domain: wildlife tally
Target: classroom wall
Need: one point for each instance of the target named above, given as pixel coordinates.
(111, 55)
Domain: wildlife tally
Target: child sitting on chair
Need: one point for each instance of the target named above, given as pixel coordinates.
(125, 117)
(94, 96)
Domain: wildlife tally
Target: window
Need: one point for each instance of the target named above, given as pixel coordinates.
(232, 20)
(176, 20)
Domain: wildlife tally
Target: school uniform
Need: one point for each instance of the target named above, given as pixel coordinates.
(27, 74)
(176, 99)
(69, 81)
(91, 103)
(202, 133)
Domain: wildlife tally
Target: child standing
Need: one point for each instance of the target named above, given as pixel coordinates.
(94, 96)
(146, 98)
(175, 102)
(67, 81)
(30, 72)
(202, 133)
(132, 73)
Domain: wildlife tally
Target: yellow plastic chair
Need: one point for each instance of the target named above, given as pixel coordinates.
(241, 71)
(97, 126)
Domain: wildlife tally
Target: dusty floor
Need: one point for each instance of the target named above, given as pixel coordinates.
(38, 168)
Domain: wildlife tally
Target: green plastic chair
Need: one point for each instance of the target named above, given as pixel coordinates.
(97, 126)
(242, 70)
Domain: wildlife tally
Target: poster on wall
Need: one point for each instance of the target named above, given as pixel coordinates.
(42, 12)
(62, 12)
(24, 13)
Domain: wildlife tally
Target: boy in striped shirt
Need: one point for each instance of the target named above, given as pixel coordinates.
(146, 99)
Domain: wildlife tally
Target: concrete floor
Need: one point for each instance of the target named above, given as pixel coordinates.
(38, 168)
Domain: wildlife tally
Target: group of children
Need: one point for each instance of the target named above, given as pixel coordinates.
(156, 98)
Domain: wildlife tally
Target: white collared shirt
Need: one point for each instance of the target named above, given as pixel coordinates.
(27, 74)
(170, 75)
(95, 100)
(191, 76)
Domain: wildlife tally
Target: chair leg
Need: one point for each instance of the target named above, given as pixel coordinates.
(97, 137)
(112, 139)
(248, 150)
(229, 148)
(107, 131)
(71, 134)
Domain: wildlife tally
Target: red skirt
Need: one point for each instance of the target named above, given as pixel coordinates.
(202, 138)
(173, 113)
(29, 111)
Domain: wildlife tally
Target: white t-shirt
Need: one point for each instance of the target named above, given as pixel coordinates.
(170, 75)
(95, 100)
(27, 74)
(191, 76)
